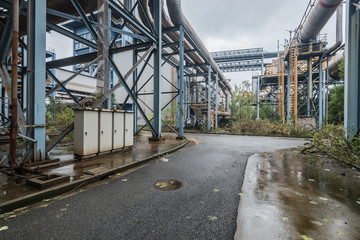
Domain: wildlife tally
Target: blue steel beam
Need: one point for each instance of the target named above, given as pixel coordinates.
(135, 87)
(181, 82)
(36, 68)
(157, 68)
(209, 99)
(6, 37)
(352, 75)
(132, 20)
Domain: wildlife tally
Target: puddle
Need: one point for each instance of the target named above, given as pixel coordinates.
(168, 185)
(317, 200)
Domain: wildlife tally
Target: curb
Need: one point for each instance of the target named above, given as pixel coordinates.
(55, 191)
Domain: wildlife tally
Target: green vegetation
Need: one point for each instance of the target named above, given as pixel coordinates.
(336, 105)
(243, 113)
(58, 116)
(331, 141)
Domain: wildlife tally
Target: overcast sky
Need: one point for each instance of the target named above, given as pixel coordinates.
(233, 24)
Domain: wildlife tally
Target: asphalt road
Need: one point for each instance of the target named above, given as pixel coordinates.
(134, 209)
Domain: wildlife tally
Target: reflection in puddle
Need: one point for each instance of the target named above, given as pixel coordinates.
(314, 201)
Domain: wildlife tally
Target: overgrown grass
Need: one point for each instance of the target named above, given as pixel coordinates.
(331, 141)
(265, 128)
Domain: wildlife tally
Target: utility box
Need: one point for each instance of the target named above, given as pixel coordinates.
(105, 130)
(118, 130)
(86, 132)
(129, 129)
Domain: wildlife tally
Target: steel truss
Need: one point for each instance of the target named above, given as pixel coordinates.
(148, 43)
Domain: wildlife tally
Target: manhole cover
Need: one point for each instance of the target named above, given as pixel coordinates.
(168, 185)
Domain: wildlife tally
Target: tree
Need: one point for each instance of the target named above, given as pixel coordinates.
(336, 105)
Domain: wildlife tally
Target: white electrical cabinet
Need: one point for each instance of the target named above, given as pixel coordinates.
(129, 129)
(118, 130)
(105, 130)
(86, 125)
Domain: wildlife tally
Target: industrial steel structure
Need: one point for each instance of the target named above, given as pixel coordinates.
(297, 82)
(152, 35)
(158, 34)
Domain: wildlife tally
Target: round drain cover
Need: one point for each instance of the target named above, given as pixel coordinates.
(168, 185)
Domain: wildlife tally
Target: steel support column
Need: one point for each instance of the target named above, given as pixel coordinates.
(352, 76)
(134, 89)
(14, 82)
(157, 68)
(36, 70)
(288, 103)
(181, 82)
(209, 99)
(216, 100)
(310, 88)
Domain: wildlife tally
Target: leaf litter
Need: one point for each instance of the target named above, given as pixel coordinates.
(4, 228)
(306, 237)
(216, 190)
(212, 218)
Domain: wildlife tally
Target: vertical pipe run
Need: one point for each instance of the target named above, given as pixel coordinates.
(181, 82)
(320, 96)
(209, 98)
(216, 100)
(14, 82)
(157, 68)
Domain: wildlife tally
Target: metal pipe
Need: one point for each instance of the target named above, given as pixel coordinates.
(318, 17)
(178, 18)
(14, 81)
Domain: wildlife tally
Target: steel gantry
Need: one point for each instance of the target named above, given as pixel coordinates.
(308, 67)
(153, 36)
(251, 59)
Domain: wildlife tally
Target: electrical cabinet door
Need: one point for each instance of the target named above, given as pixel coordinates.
(129, 129)
(118, 130)
(86, 125)
(105, 131)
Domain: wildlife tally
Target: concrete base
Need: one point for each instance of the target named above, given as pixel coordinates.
(48, 181)
(180, 138)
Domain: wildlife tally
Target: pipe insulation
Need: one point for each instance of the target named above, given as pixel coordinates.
(333, 64)
(318, 17)
(178, 18)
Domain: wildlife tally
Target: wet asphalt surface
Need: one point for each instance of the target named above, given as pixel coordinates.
(131, 208)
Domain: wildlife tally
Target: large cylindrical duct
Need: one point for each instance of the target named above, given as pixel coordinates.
(333, 65)
(178, 18)
(318, 17)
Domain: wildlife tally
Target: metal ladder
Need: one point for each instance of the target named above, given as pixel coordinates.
(280, 96)
(293, 84)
